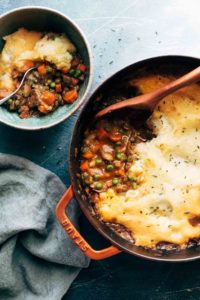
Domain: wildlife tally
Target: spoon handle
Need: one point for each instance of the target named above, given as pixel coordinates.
(149, 100)
(173, 86)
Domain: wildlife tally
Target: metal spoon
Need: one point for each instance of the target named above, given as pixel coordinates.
(148, 101)
(18, 88)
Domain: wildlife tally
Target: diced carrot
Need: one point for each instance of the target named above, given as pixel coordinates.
(120, 173)
(82, 68)
(87, 190)
(42, 69)
(75, 61)
(105, 175)
(58, 88)
(115, 137)
(95, 147)
(88, 155)
(48, 97)
(101, 133)
(65, 70)
(27, 65)
(84, 166)
(70, 96)
(42, 109)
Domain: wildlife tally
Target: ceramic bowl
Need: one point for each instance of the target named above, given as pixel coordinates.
(46, 19)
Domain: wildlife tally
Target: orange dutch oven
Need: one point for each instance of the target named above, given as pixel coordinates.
(167, 63)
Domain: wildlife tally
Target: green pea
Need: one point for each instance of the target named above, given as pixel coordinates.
(97, 177)
(58, 74)
(10, 101)
(109, 168)
(49, 69)
(72, 72)
(98, 185)
(107, 128)
(132, 139)
(49, 81)
(84, 149)
(115, 181)
(131, 178)
(121, 130)
(118, 155)
(118, 143)
(77, 73)
(98, 161)
(66, 89)
(60, 100)
(52, 85)
(17, 102)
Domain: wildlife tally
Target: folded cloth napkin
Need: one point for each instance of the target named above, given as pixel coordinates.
(37, 259)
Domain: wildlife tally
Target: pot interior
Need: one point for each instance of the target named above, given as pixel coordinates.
(115, 87)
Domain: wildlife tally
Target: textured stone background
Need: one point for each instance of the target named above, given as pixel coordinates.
(120, 32)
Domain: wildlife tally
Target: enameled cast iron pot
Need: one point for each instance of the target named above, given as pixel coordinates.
(167, 64)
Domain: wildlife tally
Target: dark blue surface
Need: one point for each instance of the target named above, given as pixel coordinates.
(120, 32)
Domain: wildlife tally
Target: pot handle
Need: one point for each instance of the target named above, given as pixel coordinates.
(75, 235)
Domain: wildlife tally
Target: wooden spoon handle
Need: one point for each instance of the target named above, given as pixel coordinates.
(175, 85)
(149, 100)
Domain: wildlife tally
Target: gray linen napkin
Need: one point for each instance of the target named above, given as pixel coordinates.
(37, 259)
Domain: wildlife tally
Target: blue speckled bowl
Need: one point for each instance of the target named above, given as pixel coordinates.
(45, 19)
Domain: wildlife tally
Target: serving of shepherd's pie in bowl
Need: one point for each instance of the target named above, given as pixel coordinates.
(51, 43)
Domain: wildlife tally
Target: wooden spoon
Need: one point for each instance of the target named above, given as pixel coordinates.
(148, 101)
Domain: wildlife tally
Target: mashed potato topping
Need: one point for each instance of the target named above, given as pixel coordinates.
(15, 44)
(22, 46)
(55, 50)
(167, 195)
